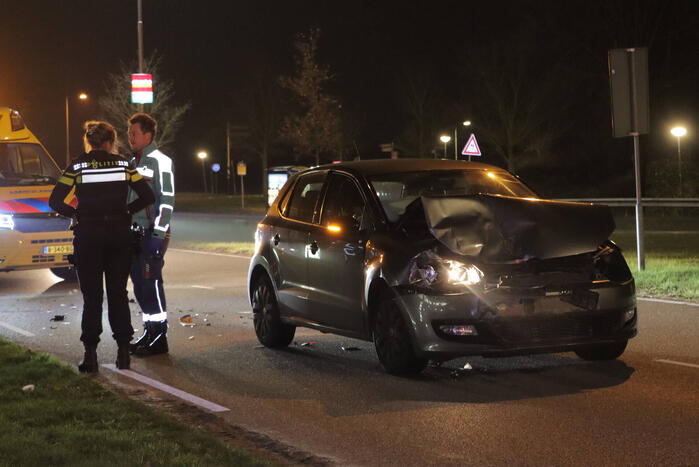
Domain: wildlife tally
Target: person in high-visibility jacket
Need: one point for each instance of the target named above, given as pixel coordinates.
(154, 223)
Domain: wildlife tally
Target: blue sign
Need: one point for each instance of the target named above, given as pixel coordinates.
(216, 167)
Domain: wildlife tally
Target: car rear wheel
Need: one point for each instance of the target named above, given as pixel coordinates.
(393, 343)
(67, 274)
(270, 330)
(603, 352)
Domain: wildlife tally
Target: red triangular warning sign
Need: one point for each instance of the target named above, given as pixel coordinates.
(471, 148)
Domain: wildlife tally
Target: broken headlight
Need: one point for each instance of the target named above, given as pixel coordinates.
(431, 270)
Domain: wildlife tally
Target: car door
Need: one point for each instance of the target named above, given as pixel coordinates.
(289, 237)
(335, 261)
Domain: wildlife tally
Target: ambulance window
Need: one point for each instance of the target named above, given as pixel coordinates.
(30, 160)
(26, 164)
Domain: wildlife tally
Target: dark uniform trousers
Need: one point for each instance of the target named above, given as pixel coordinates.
(147, 278)
(103, 250)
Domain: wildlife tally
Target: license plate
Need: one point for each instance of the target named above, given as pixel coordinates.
(58, 249)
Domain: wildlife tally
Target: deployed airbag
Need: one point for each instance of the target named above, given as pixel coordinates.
(508, 228)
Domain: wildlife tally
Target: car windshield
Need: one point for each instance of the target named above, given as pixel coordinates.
(397, 190)
(26, 164)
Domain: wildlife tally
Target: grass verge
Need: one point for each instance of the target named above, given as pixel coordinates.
(69, 419)
(220, 204)
(233, 248)
(672, 263)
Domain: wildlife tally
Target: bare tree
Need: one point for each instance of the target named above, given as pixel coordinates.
(315, 130)
(263, 102)
(418, 99)
(117, 107)
(515, 95)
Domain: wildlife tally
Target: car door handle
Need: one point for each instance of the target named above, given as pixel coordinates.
(276, 239)
(314, 247)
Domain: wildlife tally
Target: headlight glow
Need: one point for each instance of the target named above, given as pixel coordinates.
(462, 274)
(429, 269)
(7, 222)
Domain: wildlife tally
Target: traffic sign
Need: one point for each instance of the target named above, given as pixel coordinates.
(471, 148)
(141, 88)
(241, 168)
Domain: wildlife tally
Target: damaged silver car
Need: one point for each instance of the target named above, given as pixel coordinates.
(436, 259)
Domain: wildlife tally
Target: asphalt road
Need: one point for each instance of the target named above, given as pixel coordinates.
(546, 409)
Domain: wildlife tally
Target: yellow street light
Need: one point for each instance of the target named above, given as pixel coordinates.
(679, 132)
(203, 155)
(82, 96)
(445, 139)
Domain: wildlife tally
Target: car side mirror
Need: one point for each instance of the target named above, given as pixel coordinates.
(342, 224)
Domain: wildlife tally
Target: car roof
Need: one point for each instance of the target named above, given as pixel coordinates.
(383, 166)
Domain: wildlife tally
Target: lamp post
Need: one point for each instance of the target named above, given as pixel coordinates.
(82, 96)
(202, 155)
(679, 132)
(445, 139)
(456, 138)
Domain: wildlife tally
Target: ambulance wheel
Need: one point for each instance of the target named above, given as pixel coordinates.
(67, 274)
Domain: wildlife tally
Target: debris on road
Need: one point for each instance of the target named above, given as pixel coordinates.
(58, 318)
(186, 320)
(28, 388)
(307, 344)
(131, 300)
(191, 338)
(350, 349)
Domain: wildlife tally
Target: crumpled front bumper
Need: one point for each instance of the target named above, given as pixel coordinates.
(520, 322)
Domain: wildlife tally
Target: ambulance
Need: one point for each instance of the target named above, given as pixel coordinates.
(32, 236)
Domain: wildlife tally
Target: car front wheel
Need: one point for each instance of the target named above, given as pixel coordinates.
(393, 343)
(602, 352)
(269, 328)
(67, 274)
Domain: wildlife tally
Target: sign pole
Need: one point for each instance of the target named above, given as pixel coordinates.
(640, 253)
(242, 193)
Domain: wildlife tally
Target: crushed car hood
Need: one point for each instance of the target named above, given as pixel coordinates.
(506, 228)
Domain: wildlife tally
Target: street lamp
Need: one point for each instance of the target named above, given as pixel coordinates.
(456, 138)
(679, 132)
(202, 155)
(445, 139)
(82, 96)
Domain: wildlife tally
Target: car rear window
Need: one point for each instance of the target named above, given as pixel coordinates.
(397, 190)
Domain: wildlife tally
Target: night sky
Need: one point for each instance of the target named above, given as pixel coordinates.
(213, 50)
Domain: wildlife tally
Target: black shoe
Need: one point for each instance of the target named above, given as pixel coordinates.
(89, 363)
(154, 346)
(123, 361)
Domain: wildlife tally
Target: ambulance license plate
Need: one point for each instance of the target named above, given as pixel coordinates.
(58, 249)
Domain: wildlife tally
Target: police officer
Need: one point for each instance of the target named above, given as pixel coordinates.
(154, 222)
(103, 240)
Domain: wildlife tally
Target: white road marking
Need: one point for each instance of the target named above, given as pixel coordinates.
(673, 362)
(16, 329)
(228, 255)
(201, 287)
(169, 389)
(671, 302)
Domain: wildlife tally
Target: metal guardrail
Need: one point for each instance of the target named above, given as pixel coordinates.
(646, 202)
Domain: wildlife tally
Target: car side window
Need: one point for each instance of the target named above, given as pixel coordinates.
(343, 201)
(301, 205)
